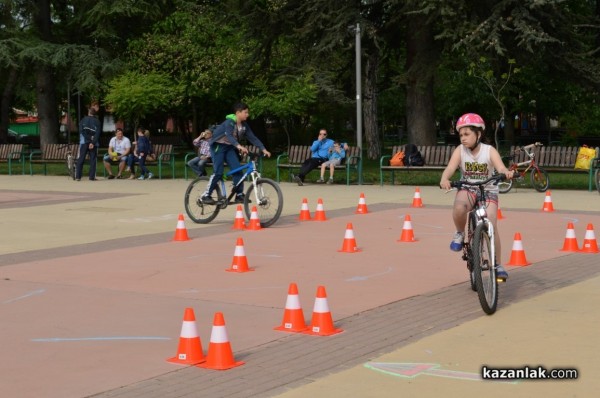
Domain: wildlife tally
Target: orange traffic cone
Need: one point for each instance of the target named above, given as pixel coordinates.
(220, 356)
(548, 203)
(254, 224)
(239, 262)
(499, 215)
(320, 212)
(362, 205)
(517, 256)
(180, 231)
(189, 351)
(322, 321)
(407, 231)
(239, 222)
(589, 242)
(349, 245)
(293, 317)
(417, 202)
(304, 212)
(570, 244)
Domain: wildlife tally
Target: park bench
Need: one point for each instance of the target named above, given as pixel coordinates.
(10, 153)
(52, 153)
(244, 159)
(557, 159)
(293, 159)
(436, 157)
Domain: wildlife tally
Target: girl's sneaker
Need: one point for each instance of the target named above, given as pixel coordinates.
(501, 274)
(141, 177)
(457, 242)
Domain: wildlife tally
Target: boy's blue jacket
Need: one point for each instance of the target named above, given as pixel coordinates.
(226, 128)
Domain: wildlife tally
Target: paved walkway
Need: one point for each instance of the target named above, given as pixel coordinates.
(55, 270)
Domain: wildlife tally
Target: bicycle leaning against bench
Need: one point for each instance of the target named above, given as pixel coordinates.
(263, 193)
(70, 161)
(479, 251)
(539, 177)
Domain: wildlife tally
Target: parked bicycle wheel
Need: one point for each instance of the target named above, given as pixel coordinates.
(597, 178)
(505, 186)
(198, 212)
(484, 270)
(540, 180)
(268, 200)
(71, 166)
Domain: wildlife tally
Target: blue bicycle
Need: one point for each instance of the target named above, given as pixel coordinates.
(263, 193)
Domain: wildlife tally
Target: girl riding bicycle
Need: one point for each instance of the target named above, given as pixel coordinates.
(477, 162)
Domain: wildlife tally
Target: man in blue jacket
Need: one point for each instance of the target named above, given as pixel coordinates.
(89, 133)
(224, 147)
(320, 154)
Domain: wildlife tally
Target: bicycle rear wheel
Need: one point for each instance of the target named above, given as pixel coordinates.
(198, 212)
(505, 186)
(268, 200)
(71, 166)
(540, 180)
(484, 270)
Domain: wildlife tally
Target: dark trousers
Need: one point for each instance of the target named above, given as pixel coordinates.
(132, 160)
(221, 153)
(84, 150)
(308, 165)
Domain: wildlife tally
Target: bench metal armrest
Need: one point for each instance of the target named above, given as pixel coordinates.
(171, 161)
(282, 156)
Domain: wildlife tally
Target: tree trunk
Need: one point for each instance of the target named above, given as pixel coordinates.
(46, 90)
(421, 60)
(5, 103)
(370, 107)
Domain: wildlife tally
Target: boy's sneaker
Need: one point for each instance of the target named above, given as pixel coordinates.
(330, 181)
(239, 198)
(141, 177)
(457, 242)
(207, 200)
(501, 274)
(320, 181)
(150, 175)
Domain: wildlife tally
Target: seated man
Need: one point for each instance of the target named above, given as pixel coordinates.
(320, 154)
(119, 151)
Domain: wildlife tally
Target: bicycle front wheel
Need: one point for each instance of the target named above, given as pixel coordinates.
(268, 200)
(198, 212)
(505, 186)
(540, 180)
(71, 166)
(484, 270)
(597, 178)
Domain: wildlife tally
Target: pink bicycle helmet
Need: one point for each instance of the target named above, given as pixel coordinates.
(470, 119)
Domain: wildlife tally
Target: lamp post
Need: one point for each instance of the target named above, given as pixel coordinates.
(358, 100)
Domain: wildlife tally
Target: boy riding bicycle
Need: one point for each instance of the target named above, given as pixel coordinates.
(477, 162)
(224, 147)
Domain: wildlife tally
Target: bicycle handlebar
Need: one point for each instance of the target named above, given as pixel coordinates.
(493, 179)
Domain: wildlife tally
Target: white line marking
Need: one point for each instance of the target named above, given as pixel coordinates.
(33, 293)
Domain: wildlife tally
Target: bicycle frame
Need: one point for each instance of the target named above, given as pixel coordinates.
(479, 213)
(251, 170)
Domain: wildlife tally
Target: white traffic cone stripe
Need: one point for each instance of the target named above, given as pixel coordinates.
(319, 207)
(180, 224)
(304, 206)
(219, 335)
(189, 330)
(570, 233)
(254, 216)
(292, 302)
(239, 214)
(407, 225)
(548, 199)
(589, 234)
(321, 305)
(417, 195)
(361, 201)
(239, 251)
(517, 245)
(349, 234)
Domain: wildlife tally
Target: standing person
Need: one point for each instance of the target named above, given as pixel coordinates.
(320, 153)
(477, 162)
(336, 153)
(197, 163)
(89, 133)
(143, 148)
(119, 151)
(224, 147)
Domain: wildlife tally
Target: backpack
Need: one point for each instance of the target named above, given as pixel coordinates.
(413, 156)
(397, 159)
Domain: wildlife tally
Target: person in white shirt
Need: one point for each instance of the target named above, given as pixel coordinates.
(119, 151)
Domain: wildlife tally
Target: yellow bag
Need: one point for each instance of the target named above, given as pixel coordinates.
(584, 158)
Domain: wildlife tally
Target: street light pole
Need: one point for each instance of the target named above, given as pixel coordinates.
(359, 121)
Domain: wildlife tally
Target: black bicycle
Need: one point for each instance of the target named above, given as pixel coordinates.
(263, 193)
(479, 251)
